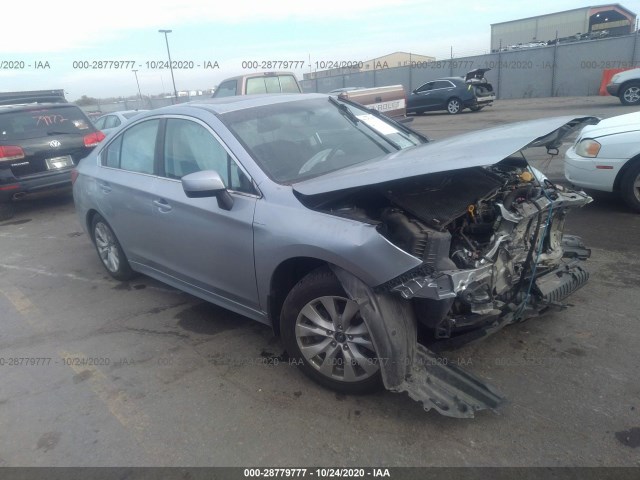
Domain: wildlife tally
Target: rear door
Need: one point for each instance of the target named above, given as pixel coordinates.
(442, 91)
(125, 186)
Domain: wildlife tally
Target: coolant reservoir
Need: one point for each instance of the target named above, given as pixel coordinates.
(526, 176)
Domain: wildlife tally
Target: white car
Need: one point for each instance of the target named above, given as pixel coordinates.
(626, 86)
(110, 121)
(606, 157)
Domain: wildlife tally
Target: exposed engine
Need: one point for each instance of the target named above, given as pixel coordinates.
(491, 243)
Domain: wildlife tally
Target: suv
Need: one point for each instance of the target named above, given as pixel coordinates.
(39, 145)
(626, 86)
(252, 83)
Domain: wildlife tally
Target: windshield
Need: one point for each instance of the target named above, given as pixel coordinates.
(43, 121)
(306, 138)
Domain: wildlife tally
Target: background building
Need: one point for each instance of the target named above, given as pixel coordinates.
(613, 19)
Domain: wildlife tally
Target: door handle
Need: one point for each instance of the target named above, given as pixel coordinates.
(105, 187)
(162, 205)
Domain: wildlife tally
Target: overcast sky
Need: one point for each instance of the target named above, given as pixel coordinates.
(62, 32)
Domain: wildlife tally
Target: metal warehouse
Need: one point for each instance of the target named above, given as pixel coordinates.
(612, 19)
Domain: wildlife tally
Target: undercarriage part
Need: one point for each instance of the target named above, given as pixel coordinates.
(574, 247)
(562, 282)
(443, 197)
(409, 367)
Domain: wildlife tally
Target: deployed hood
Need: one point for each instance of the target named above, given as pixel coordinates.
(618, 124)
(475, 149)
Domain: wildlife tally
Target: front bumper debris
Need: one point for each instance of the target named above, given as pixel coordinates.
(407, 366)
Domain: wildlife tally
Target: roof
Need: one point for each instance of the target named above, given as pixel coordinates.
(34, 106)
(231, 104)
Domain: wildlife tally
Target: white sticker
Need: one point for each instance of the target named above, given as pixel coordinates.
(379, 125)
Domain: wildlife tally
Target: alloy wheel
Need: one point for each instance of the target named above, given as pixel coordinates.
(334, 339)
(107, 247)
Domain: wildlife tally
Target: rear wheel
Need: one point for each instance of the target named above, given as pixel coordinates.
(325, 335)
(454, 106)
(630, 94)
(6, 211)
(109, 250)
(630, 187)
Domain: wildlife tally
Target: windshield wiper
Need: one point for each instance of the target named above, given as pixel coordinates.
(346, 111)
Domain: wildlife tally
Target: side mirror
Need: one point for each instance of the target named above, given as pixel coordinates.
(415, 90)
(207, 183)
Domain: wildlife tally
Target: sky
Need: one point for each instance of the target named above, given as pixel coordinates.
(53, 43)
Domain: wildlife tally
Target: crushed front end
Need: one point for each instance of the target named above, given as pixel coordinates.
(493, 253)
(493, 250)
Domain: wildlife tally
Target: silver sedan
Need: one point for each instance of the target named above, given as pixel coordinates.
(348, 233)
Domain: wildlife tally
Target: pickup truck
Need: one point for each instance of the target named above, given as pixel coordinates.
(389, 100)
(253, 83)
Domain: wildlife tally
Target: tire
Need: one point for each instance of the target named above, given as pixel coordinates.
(475, 109)
(109, 250)
(6, 211)
(630, 187)
(630, 94)
(334, 351)
(454, 106)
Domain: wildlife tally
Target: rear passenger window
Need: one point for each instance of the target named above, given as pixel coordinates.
(189, 148)
(138, 147)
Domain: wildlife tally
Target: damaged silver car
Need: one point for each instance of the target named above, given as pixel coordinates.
(365, 246)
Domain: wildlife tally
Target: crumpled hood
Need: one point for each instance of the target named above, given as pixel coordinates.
(475, 149)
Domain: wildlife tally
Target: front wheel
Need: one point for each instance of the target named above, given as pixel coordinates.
(325, 335)
(630, 187)
(109, 250)
(630, 95)
(454, 106)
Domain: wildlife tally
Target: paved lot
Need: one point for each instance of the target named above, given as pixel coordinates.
(140, 374)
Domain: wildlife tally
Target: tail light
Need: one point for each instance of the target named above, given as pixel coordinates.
(10, 152)
(74, 175)
(93, 139)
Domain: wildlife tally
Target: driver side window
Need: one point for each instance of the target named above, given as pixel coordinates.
(426, 87)
(189, 148)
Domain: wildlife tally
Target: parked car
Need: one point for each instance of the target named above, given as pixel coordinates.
(256, 83)
(606, 157)
(110, 121)
(453, 94)
(346, 232)
(626, 86)
(39, 145)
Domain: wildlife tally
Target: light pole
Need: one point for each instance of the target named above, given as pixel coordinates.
(166, 39)
(135, 72)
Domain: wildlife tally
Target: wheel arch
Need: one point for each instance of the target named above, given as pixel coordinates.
(284, 277)
(622, 172)
(89, 220)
